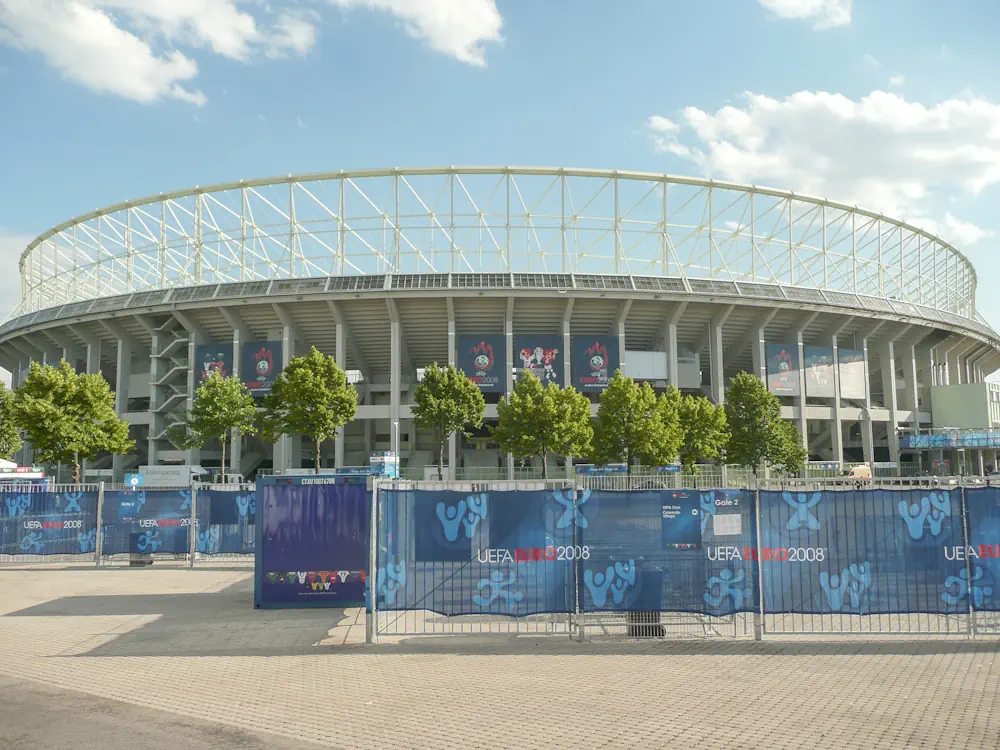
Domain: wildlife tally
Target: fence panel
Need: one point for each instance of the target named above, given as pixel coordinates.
(145, 523)
(875, 561)
(47, 523)
(485, 559)
(980, 581)
(676, 562)
(226, 518)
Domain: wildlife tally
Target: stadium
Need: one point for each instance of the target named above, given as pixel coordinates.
(864, 326)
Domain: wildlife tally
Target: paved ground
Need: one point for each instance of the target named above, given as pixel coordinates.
(163, 658)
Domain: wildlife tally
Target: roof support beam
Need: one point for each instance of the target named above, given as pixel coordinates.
(352, 344)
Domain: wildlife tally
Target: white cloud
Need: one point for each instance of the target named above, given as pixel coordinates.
(881, 151)
(824, 14)
(458, 28)
(130, 48)
(897, 81)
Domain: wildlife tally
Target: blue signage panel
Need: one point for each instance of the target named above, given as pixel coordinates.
(595, 361)
(783, 369)
(483, 359)
(260, 365)
(211, 358)
(980, 581)
(542, 355)
(48, 523)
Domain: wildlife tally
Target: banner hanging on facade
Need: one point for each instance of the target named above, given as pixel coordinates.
(542, 355)
(853, 382)
(783, 369)
(260, 365)
(211, 358)
(595, 361)
(483, 359)
(819, 371)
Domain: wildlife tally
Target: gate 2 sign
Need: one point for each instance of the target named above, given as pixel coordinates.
(483, 359)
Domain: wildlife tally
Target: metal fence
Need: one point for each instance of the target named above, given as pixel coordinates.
(107, 524)
(638, 557)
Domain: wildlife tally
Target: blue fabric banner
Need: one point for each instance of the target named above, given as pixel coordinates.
(862, 552)
(48, 523)
(457, 553)
(225, 522)
(980, 574)
(146, 521)
(314, 543)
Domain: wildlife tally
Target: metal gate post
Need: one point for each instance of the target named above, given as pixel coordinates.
(371, 623)
(758, 616)
(99, 539)
(193, 531)
(971, 626)
(578, 613)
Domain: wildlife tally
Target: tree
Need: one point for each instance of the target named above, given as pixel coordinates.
(221, 407)
(10, 434)
(632, 423)
(704, 429)
(447, 402)
(537, 421)
(758, 434)
(69, 417)
(311, 397)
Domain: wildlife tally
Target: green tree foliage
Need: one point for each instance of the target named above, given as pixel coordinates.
(447, 402)
(705, 431)
(222, 406)
(537, 421)
(758, 434)
(311, 397)
(69, 417)
(10, 434)
(632, 423)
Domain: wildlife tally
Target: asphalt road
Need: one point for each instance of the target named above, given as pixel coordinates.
(37, 717)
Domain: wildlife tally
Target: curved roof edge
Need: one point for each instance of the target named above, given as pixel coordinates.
(540, 171)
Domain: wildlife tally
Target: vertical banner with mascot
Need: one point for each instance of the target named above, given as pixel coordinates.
(783, 369)
(853, 383)
(541, 355)
(819, 371)
(595, 361)
(483, 359)
(211, 358)
(260, 365)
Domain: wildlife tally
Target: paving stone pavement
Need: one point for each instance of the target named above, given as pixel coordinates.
(187, 642)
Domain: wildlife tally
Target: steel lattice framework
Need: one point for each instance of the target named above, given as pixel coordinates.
(491, 220)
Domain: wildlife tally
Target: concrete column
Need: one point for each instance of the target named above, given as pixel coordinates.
(887, 356)
(124, 372)
(837, 426)
(759, 352)
(867, 439)
(236, 443)
(395, 384)
(910, 371)
(193, 454)
(508, 330)
(452, 360)
(800, 400)
(567, 341)
(156, 371)
(94, 356)
(283, 448)
(670, 344)
(954, 368)
(717, 374)
(340, 355)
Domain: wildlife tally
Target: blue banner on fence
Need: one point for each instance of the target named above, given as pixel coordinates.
(226, 522)
(145, 522)
(314, 543)
(980, 576)
(455, 553)
(679, 551)
(48, 523)
(863, 552)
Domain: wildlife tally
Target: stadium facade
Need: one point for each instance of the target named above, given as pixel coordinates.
(860, 323)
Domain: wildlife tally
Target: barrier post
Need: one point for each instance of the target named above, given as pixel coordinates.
(99, 538)
(577, 610)
(758, 616)
(971, 625)
(193, 531)
(371, 624)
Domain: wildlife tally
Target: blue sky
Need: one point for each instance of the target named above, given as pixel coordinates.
(890, 104)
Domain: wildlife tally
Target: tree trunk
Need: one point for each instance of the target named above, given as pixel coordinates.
(76, 468)
(316, 446)
(222, 464)
(441, 460)
(545, 465)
